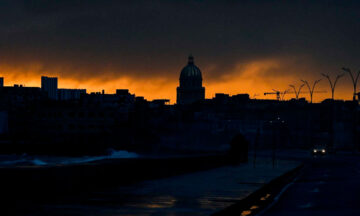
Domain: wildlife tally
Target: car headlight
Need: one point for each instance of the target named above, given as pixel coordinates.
(315, 150)
(323, 151)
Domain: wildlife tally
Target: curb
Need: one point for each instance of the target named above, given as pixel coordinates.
(263, 198)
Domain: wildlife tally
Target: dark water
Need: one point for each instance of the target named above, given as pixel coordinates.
(199, 193)
(28, 160)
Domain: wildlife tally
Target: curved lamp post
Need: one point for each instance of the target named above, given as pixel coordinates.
(332, 85)
(311, 89)
(354, 79)
(297, 92)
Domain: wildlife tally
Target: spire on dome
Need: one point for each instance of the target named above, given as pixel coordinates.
(191, 59)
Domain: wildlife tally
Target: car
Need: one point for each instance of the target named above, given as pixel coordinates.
(319, 150)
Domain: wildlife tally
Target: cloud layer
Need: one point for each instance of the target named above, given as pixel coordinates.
(142, 45)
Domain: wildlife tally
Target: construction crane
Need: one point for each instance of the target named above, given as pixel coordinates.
(254, 96)
(280, 95)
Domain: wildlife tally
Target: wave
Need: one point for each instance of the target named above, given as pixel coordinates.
(25, 160)
(113, 155)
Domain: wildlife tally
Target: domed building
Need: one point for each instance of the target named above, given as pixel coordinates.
(190, 89)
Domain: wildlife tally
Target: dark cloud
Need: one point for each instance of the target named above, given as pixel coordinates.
(153, 38)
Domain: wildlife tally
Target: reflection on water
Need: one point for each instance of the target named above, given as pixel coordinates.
(155, 202)
(254, 207)
(217, 202)
(265, 197)
(245, 213)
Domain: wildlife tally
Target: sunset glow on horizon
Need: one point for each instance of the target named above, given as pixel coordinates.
(241, 47)
(251, 78)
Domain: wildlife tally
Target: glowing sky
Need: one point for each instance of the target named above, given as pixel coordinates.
(241, 47)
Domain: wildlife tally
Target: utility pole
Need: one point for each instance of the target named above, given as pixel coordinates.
(311, 90)
(298, 91)
(354, 79)
(332, 85)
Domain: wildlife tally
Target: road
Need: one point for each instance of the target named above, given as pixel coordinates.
(328, 185)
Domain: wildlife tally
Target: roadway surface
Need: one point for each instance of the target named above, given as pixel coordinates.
(328, 185)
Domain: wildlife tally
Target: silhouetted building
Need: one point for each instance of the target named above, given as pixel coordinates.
(18, 95)
(122, 98)
(157, 103)
(122, 91)
(50, 85)
(70, 94)
(190, 89)
(1, 81)
(3, 122)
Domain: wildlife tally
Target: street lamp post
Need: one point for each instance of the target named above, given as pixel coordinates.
(332, 85)
(354, 79)
(311, 90)
(283, 94)
(297, 93)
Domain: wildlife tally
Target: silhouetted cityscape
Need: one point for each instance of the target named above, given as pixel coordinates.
(104, 109)
(75, 122)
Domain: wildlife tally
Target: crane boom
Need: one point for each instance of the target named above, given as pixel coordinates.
(280, 95)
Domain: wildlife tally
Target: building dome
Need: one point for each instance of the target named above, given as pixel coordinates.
(190, 89)
(190, 70)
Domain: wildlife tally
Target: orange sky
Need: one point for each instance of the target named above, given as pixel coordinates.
(240, 46)
(251, 78)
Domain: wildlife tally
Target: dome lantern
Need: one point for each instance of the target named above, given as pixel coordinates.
(191, 59)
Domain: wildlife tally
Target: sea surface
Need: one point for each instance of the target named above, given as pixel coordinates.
(40, 160)
(198, 193)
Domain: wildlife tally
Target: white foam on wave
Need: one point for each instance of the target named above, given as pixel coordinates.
(113, 155)
(46, 160)
(39, 162)
(23, 161)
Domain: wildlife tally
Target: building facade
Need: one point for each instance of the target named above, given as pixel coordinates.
(190, 89)
(50, 86)
(70, 94)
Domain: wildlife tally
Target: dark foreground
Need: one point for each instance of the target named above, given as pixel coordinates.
(28, 187)
(327, 186)
(105, 189)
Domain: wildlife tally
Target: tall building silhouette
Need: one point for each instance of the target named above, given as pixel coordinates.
(1, 81)
(50, 86)
(190, 89)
